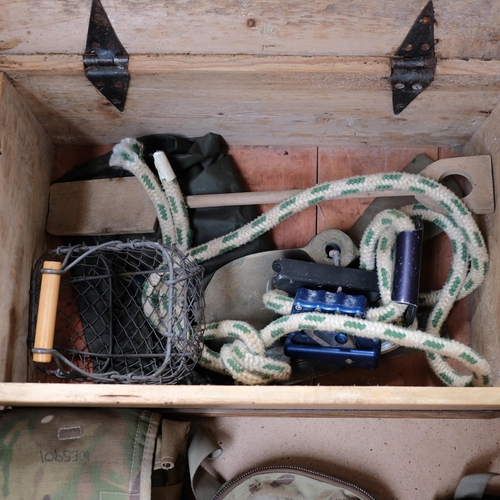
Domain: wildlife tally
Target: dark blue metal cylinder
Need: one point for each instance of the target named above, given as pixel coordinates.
(408, 257)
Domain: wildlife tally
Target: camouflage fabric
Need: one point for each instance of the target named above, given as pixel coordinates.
(290, 484)
(77, 454)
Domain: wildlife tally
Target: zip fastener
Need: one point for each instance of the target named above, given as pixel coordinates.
(314, 473)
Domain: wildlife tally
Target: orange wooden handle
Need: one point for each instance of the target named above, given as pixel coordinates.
(47, 310)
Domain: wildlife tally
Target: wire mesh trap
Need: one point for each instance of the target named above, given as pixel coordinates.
(126, 313)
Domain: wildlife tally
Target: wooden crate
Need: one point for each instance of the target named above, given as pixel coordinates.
(260, 74)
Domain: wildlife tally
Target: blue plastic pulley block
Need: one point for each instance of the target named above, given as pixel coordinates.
(333, 347)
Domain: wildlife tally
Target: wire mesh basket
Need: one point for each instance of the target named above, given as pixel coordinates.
(126, 313)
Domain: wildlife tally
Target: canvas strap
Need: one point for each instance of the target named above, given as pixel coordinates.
(472, 486)
(201, 447)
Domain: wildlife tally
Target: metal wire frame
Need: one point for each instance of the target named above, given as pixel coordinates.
(127, 313)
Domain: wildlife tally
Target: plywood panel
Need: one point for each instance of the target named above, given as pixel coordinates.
(337, 163)
(281, 168)
(274, 168)
(408, 369)
(69, 157)
(326, 27)
(26, 156)
(258, 100)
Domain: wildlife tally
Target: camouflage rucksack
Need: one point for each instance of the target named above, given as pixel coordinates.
(87, 454)
(288, 483)
(126, 454)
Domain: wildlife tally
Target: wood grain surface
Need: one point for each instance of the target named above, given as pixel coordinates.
(485, 304)
(252, 397)
(464, 29)
(25, 168)
(250, 100)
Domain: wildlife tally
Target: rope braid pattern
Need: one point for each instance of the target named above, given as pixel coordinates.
(244, 357)
(180, 215)
(173, 219)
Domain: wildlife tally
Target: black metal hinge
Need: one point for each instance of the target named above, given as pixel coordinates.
(106, 60)
(414, 63)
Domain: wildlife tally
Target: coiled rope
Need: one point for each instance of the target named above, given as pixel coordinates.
(244, 355)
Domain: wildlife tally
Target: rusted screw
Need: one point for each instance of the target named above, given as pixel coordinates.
(251, 23)
(425, 20)
(408, 47)
(425, 47)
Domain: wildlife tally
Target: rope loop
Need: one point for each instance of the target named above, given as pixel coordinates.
(245, 357)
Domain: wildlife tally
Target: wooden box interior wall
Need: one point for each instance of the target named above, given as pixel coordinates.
(27, 146)
(258, 76)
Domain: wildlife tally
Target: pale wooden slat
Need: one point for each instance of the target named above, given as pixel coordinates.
(254, 397)
(258, 100)
(105, 206)
(328, 413)
(356, 28)
(25, 170)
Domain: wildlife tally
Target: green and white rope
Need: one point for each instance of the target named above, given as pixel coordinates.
(249, 366)
(173, 196)
(244, 355)
(173, 219)
(128, 155)
(330, 191)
